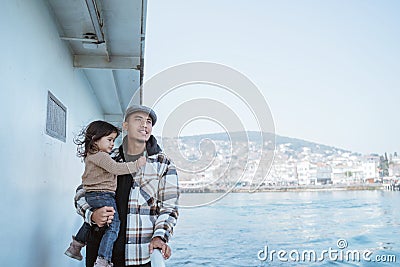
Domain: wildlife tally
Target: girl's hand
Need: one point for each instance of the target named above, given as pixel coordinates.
(141, 161)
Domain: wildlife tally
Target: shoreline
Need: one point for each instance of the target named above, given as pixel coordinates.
(308, 188)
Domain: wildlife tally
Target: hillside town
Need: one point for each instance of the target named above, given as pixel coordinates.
(219, 165)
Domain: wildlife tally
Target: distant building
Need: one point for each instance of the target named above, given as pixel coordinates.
(394, 167)
(339, 174)
(306, 173)
(324, 174)
(370, 169)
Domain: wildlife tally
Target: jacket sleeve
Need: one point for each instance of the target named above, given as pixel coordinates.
(82, 207)
(168, 196)
(103, 160)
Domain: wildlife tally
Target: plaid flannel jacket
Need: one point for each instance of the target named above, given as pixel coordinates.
(147, 205)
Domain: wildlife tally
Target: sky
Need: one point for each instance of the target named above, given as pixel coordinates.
(328, 70)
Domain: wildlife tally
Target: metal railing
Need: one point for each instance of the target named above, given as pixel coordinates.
(157, 259)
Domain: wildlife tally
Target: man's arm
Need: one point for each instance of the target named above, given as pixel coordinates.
(82, 207)
(99, 216)
(168, 196)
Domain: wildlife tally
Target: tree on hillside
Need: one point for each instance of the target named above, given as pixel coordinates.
(383, 166)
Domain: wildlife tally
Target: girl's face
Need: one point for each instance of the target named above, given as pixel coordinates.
(106, 143)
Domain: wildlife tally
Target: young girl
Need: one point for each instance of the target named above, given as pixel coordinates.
(99, 181)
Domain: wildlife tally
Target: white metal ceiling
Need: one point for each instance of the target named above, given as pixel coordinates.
(106, 38)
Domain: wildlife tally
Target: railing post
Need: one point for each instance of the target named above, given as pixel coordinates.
(157, 259)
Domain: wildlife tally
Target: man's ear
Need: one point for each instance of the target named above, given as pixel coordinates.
(125, 126)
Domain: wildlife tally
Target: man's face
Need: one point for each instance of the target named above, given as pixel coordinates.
(138, 126)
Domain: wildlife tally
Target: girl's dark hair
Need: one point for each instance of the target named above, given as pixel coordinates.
(89, 135)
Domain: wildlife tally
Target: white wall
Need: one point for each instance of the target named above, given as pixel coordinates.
(39, 173)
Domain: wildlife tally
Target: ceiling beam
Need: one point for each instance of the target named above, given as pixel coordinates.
(116, 86)
(94, 16)
(101, 62)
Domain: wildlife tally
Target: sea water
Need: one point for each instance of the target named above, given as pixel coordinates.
(325, 228)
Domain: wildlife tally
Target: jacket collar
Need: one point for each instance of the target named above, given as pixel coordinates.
(152, 147)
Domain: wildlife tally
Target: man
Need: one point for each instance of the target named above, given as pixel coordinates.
(146, 201)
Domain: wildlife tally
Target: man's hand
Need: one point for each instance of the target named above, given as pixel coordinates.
(157, 242)
(103, 216)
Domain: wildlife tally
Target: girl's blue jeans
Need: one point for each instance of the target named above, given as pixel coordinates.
(98, 200)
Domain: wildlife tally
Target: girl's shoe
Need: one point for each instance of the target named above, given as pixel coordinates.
(74, 250)
(100, 262)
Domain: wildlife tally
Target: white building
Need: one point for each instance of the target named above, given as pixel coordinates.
(324, 174)
(306, 173)
(339, 174)
(394, 167)
(370, 169)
